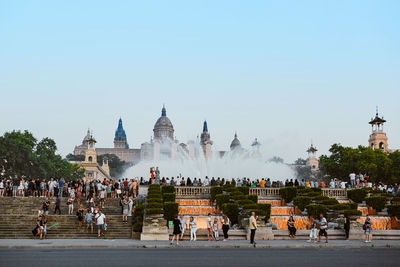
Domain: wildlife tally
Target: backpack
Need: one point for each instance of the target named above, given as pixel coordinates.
(364, 227)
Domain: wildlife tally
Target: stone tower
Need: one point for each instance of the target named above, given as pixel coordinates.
(90, 153)
(378, 139)
(120, 140)
(205, 141)
(312, 159)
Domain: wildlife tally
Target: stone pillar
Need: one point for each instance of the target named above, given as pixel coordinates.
(154, 228)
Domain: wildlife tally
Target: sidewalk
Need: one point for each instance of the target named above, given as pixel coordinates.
(131, 243)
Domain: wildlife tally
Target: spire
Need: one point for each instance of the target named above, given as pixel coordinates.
(235, 135)
(205, 127)
(120, 124)
(377, 111)
(163, 112)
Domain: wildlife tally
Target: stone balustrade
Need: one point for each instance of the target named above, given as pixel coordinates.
(192, 191)
(338, 193)
(264, 192)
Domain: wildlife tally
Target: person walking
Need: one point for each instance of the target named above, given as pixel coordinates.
(183, 226)
(193, 229)
(89, 220)
(125, 209)
(177, 230)
(367, 227)
(322, 229)
(313, 232)
(131, 203)
(292, 229)
(225, 226)
(347, 226)
(101, 221)
(253, 228)
(209, 228)
(58, 204)
(80, 214)
(70, 204)
(46, 206)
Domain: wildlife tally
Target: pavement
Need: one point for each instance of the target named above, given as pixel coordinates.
(132, 243)
(200, 257)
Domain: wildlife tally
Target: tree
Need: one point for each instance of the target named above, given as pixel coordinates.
(302, 170)
(117, 166)
(276, 159)
(72, 157)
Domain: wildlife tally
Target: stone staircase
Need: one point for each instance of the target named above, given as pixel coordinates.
(18, 218)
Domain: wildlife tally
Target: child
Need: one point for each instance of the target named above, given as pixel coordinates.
(193, 229)
(313, 232)
(215, 229)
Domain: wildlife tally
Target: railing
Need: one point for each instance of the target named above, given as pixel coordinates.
(334, 192)
(264, 191)
(192, 191)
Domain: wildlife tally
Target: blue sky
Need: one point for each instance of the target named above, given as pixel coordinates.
(283, 71)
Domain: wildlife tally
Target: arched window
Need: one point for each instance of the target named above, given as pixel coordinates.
(90, 159)
(381, 145)
(372, 145)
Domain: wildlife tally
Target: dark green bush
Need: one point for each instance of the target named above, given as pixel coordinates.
(149, 200)
(394, 210)
(330, 202)
(315, 210)
(288, 193)
(396, 200)
(253, 198)
(239, 197)
(137, 227)
(228, 187)
(267, 210)
(154, 211)
(171, 209)
(168, 189)
(153, 205)
(169, 197)
(357, 195)
(245, 202)
(377, 202)
(314, 194)
(320, 199)
(250, 206)
(303, 191)
(154, 195)
(257, 211)
(345, 206)
(215, 190)
(353, 205)
(352, 213)
(243, 189)
(301, 202)
(222, 199)
(387, 195)
(154, 187)
(232, 211)
(316, 189)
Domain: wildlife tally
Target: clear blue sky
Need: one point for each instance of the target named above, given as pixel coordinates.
(283, 71)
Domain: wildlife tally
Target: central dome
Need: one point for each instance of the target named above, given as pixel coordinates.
(235, 143)
(163, 127)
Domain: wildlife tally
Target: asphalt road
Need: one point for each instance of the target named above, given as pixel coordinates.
(201, 257)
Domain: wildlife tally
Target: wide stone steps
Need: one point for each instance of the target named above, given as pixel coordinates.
(201, 234)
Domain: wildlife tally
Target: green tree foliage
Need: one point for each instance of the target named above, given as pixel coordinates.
(377, 164)
(302, 170)
(22, 156)
(117, 166)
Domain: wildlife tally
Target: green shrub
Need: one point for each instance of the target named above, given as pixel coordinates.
(153, 205)
(215, 190)
(137, 227)
(330, 202)
(239, 197)
(171, 209)
(288, 193)
(222, 199)
(396, 200)
(228, 187)
(316, 189)
(168, 189)
(314, 194)
(315, 210)
(357, 195)
(352, 213)
(154, 195)
(257, 211)
(169, 197)
(160, 200)
(267, 210)
(253, 198)
(245, 202)
(394, 210)
(243, 189)
(301, 202)
(377, 202)
(320, 199)
(303, 191)
(154, 211)
(250, 206)
(154, 187)
(387, 195)
(139, 210)
(353, 205)
(232, 211)
(345, 206)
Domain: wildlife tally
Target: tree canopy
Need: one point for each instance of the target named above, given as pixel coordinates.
(342, 161)
(117, 166)
(23, 156)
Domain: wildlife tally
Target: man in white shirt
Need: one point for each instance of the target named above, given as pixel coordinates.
(322, 229)
(352, 179)
(101, 220)
(253, 227)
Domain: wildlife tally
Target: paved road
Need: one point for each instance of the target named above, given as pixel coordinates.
(201, 257)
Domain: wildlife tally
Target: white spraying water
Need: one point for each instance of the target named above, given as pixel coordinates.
(234, 164)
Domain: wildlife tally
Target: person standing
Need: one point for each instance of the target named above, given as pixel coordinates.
(253, 228)
(322, 229)
(215, 229)
(58, 204)
(70, 205)
(313, 232)
(225, 226)
(101, 220)
(347, 226)
(60, 187)
(209, 228)
(367, 227)
(89, 220)
(291, 227)
(125, 209)
(80, 214)
(183, 226)
(193, 229)
(177, 230)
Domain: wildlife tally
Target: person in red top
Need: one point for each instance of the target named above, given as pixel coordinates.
(322, 184)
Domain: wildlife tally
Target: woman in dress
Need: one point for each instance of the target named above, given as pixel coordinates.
(131, 202)
(292, 229)
(177, 230)
(125, 209)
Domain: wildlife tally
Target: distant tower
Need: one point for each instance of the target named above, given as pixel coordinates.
(205, 141)
(312, 160)
(378, 139)
(163, 127)
(235, 143)
(90, 154)
(120, 140)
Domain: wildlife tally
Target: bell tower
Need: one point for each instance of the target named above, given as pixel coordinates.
(378, 139)
(205, 141)
(91, 155)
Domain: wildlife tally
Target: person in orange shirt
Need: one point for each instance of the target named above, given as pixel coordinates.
(262, 183)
